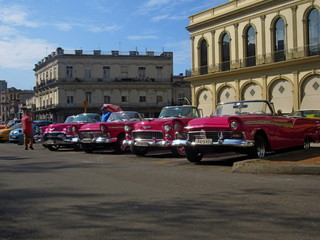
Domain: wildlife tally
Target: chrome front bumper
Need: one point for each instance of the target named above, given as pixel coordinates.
(99, 140)
(220, 142)
(65, 141)
(147, 143)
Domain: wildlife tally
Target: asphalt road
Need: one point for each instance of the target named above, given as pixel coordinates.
(73, 195)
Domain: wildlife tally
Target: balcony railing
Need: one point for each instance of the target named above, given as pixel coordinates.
(279, 56)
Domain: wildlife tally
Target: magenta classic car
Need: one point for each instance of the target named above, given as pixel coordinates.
(250, 127)
(160, 132)
(104, 135)
(60, 134)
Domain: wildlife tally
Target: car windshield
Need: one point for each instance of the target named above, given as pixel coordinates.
(69, 119)
(243, 108)
(87, 117)
(306, 113)
(17, 125)
(181, 111)
(124, 116)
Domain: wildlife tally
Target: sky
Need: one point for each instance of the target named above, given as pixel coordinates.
(32, 29)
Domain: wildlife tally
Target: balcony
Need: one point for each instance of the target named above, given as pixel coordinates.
(269, 58)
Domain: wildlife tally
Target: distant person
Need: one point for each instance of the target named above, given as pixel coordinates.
(105, 114)
(27, 130)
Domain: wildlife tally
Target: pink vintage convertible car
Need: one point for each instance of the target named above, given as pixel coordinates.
(160, 132)
(250, 127)
(60, 134)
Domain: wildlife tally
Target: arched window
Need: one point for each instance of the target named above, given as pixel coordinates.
(313, 32)
(279, 41)
(203, 57)
(250, 47)
(225, 53)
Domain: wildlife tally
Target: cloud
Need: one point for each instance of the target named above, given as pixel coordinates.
(16, 15)
(181, 51)
(142, 37)
(22, 53)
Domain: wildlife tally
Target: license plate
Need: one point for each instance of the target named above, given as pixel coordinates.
(13, 137)
(206, 141)
(142, 144)
(50, 142)
(86, 140)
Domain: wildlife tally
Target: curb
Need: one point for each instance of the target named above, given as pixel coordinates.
(262, 166)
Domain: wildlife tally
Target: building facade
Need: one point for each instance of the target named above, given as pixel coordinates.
(257, 49)
(66, 82)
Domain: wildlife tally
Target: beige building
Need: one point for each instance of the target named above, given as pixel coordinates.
(257, 49)
(134, 81)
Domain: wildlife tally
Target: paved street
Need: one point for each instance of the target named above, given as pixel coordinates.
(73, 195)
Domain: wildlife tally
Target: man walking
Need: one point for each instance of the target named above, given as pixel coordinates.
(27, 130)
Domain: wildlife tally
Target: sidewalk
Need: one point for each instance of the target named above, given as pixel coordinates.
(297, 162)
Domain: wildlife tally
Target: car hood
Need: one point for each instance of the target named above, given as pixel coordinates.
(92, 127)
(61, 126)
(157, 124)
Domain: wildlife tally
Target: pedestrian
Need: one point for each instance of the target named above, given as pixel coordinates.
(27, 130)
(105, 113)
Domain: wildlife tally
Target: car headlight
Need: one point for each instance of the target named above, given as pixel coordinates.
(127, 128)
(234, 125)
(177, 126)
(167, 128)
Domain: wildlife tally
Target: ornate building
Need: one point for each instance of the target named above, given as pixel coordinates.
(134, 81)
(257, 49)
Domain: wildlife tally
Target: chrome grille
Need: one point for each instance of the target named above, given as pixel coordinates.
(89, 134)
(54, 136)
(214, 135)
(148, 135)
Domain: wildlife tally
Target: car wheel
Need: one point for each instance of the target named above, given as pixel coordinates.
(53, 147)
(119, 147)
(178, 151)
(193, 154)
(260, 148)
(306, 143)
(88, 148)
(139, 151)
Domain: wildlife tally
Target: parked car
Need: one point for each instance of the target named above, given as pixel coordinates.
(10, 123)
(160, 132)
(308, 113)
(4, 133)
(16, 135)
(38, 136)
(60, 134)
(250, 127)
(105, 135)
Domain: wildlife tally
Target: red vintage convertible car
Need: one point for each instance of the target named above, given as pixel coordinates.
(104, 135)
(160, 132)
(250, 127)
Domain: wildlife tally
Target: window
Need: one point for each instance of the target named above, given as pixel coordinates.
(225, 53)
(69, 72)
(142, 73)
(124, 99)
(313, 32)
(203, 57)
(88, 97)
(250, 47)
(106, 99)
(106, 73)
(279, 41)
(159, 73)
(143, 98)
(87, 71)
(159, 99)
(124, 72)
(69, 99)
